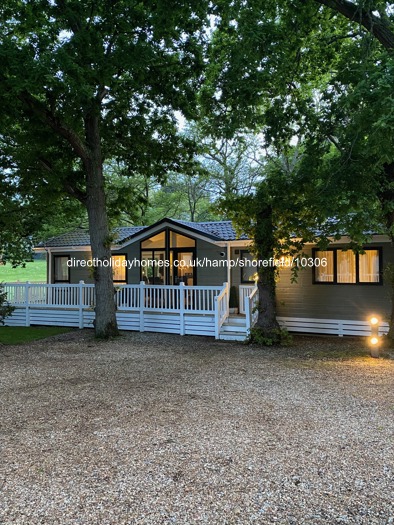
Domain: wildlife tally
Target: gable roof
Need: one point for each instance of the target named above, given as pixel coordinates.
(214, 230)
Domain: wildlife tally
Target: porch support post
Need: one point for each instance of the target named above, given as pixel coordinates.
(142, 305)
(182, 308)
(27, 287)
(80, 303)
(228, 263)
(216, 317)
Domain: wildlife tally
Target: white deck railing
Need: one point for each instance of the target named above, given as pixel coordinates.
(190, 309)
(199, 299)
(251, 302)
(221, 309)
(50, 295)
(244, 291)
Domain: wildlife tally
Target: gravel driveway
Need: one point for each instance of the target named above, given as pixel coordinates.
(162, 429)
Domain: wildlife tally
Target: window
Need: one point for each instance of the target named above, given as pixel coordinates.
(346, 267)
(369, 266)
(324, 273)
(62, 271)
(181, 241)
(119, 268)
(167, 258)
(248, 272)
(157, 241)
(153, 266)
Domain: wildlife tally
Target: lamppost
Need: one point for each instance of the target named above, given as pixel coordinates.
(374, 340)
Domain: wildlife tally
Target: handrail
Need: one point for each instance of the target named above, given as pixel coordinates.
(251, 313)
(221, 309)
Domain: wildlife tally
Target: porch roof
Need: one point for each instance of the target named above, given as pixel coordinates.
(213, 230)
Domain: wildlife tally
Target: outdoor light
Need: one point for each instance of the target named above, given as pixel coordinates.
(374, 340)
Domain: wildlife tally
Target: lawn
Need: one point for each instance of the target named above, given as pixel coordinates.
(34, 272)
(13, 335)
(161, 429)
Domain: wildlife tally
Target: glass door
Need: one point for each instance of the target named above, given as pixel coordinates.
(182, 269)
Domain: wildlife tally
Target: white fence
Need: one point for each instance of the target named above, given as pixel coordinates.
(175, 309)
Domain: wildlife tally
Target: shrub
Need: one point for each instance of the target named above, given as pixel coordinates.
(276, 337)
(5, 308)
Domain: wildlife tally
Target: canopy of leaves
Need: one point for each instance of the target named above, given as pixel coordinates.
(131, 65)
(318, 73)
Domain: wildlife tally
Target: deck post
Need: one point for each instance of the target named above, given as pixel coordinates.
(216, 317)
(225, 285)
(27, 287)
(80, 303)
(142, 305)
(247, 313)
(182, 308)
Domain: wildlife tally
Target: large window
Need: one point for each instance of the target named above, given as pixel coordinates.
(62, 270)
(167, 258)
(338, 266)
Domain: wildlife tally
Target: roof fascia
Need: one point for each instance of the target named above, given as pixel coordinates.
(86, 248)
(159, 226)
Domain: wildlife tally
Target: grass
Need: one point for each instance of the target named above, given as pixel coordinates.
(13, 335)
(33, 272)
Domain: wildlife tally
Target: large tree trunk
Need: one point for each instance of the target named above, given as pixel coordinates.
(105, 323)
(267, 328)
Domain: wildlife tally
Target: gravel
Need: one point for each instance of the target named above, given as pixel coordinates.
(162, 429)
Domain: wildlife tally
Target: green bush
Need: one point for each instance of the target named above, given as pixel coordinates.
(277, 337)
(5, 308)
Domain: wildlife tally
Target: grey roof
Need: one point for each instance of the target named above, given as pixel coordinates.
(216, 230)
(223, 230)
(81, 237)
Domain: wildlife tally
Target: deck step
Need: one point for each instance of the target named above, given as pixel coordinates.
(232, 336)
(235, 321)
(233, 328)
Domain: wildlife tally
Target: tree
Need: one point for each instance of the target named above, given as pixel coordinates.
(83, 83)
(280, 217)
(320, 72)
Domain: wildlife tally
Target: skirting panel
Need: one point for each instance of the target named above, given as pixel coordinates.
(329, 326)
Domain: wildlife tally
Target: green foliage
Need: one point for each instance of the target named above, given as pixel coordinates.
(274, 337)
(5, 308)
(130, 67)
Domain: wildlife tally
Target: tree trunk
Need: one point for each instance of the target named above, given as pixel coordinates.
(267, 326)
(266, 321)
(105, 323)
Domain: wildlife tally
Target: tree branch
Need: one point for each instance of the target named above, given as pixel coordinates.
(55, 123)
(380, 28)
